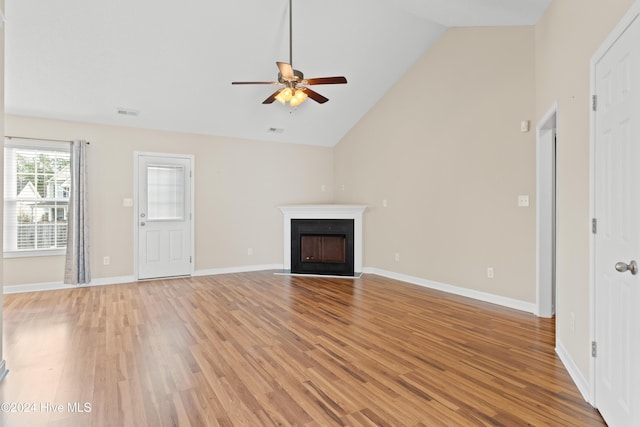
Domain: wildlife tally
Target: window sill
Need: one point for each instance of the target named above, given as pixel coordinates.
(35, 253)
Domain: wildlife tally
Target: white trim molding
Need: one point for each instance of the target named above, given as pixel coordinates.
(580, 381)
(456, 290)
(104, 281)
(277, 268)
(53, 286)
(546, 183)
(239, 269)
(354, 212)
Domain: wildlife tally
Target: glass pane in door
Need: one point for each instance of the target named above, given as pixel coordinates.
(165, 193)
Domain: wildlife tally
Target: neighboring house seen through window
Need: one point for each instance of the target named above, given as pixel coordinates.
(36, 196)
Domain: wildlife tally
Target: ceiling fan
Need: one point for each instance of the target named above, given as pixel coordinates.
(295, 89)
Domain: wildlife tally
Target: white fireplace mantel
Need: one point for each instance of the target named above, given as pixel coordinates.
(354, 212)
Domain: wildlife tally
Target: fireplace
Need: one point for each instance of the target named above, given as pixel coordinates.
(328, 238)
(322, 246)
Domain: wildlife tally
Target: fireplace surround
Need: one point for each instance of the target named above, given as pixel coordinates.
(325, 242)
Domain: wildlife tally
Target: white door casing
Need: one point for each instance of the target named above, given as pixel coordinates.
(616, 80)
(163, 216)
(546, 214)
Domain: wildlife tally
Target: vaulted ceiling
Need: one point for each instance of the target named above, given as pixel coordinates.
(173, 63)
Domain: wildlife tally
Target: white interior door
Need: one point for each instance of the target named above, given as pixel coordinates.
(164, 216)
(617, 240)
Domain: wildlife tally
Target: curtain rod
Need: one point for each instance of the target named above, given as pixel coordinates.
(37, 139)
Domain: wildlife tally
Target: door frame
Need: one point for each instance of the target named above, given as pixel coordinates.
(632, 14)
(545, 225)
(136, 158)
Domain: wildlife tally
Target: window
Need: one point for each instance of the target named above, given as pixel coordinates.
(165, 192)
(37, 181)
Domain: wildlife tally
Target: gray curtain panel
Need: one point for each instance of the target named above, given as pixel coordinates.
(77, 268)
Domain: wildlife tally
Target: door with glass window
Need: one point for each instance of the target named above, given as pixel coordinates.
(164, 216)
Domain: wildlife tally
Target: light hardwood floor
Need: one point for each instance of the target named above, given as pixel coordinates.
(258, 349)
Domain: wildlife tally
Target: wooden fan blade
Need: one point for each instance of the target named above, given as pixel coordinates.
(272, 97)
(255, 83)
(286, 71)
(326, 81)
(315, 96)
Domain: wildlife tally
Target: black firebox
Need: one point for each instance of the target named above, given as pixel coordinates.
(322, 246)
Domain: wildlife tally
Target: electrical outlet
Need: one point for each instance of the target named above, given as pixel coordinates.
(323, 188)
(523, 201)
(397, 256)
(250, 251)
(385, 203)
(106, 260)
(490, 273)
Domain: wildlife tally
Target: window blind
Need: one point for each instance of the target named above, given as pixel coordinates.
(36, 195)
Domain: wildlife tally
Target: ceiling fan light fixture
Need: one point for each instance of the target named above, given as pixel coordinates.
(298, 98)
(287, 94)
(300, 95)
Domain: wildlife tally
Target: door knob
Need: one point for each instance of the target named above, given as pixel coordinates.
(632, 267)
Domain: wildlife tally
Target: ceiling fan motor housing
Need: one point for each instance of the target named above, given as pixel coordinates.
(298, 77)
(294, 80)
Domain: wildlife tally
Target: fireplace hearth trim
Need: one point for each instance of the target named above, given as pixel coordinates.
(354, 212)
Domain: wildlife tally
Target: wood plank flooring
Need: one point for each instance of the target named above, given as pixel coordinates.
(257, 349)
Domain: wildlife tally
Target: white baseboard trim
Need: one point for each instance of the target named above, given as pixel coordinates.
(103, 281)
(52, 286)
(239, 269)
(465, 292)
(482, 296)
(580, 381)
(35, 287)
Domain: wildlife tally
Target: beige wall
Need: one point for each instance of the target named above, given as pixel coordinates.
(444, 148)
(566, 38)
(238, 186)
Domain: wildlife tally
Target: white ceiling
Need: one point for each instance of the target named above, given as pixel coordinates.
(174, 62)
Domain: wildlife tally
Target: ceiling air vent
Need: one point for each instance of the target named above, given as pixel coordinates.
(127, 112)
(275, 130)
